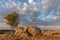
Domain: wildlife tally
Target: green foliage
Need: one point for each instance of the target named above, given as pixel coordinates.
(12, 19)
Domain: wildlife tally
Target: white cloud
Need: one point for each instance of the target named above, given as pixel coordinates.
(30, 1)
(35, 9)
(4, 26)
(49, 5)
(32, 10)
(13, 3)
(25, 7)
(55, 17)
(18, 6)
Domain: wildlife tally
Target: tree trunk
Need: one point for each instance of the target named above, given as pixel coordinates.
(12, 33)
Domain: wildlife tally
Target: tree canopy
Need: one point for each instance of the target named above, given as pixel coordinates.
(12, 19)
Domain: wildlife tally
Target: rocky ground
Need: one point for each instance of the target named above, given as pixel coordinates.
(32, 33)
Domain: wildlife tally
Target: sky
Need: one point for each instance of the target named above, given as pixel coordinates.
(32, 12)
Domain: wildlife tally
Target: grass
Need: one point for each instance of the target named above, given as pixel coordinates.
(46, 35)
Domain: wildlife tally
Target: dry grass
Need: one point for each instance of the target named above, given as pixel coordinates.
(46, 35)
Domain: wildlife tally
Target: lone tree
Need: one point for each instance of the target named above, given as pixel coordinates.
(12, 19)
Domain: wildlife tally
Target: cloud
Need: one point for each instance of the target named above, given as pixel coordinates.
(29, 12)
(25, 7)
(55, 17)
(19, 5)
(50, 5)
(30, 1)
(4, 26)
(13, 3)
(35, 9)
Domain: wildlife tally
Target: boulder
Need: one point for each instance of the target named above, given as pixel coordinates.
(27, 31)
(34, 31)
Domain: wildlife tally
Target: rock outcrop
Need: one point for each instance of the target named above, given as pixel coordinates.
(27, 32)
